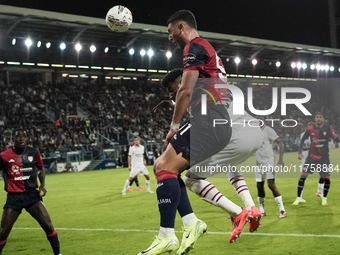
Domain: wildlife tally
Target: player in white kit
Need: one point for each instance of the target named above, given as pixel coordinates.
(266, 164)
(137, 164)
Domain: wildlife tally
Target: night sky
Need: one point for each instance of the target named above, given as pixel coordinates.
(296, 21)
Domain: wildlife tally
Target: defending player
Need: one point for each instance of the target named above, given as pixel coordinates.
(245, 140)
(266, 163)
(199, 61)
(318, 158)
(305, 152)
(137, 162)
(21, 165)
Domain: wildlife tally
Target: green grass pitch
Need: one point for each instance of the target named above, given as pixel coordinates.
(92, 217)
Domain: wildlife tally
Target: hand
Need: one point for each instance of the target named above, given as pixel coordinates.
(144, 162)
(129, 168)
(300, 156)
(42, 191)
(171, 133)
(281, 163)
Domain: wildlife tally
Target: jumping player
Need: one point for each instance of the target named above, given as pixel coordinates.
(318, 158)
(137, 162)
(21, 165)
(199, 61)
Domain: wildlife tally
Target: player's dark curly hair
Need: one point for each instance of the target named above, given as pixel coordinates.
(183, 15)
(17, 130)
(172, 76)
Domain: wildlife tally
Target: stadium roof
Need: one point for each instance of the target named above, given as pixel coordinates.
(46, 26)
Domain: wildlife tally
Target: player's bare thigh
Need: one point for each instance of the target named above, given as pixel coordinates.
(170, 161)
(39, 212)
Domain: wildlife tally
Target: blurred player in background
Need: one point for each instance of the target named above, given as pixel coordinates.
(318, 157)
(21, 165)
(266, 163)
(244, 141)
(199, 61)
(137, 162)
(305, 152)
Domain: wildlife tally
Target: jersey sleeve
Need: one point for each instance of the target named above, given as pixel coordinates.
(130, 151)
(332, 133)
(272, 135)
(40, 162)
(195, 57)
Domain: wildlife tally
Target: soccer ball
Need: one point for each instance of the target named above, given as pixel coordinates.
(119, 18)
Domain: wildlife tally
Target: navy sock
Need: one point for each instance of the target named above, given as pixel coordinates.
(2, 245)
(184, 206)
(326, 187)
(301, 184)
(136, 181)
(168, 196)
(54, 241)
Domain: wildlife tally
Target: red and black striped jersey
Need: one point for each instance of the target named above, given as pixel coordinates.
(200, 55)
(319, 141)
(20, 171)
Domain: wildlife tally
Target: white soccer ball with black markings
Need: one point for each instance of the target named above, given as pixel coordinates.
(119, 18)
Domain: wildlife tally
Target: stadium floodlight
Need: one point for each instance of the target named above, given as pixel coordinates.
(304, 66)
(150, 53)
(312, 66)
(339, 69)
(28, 42)
(317, 67)
(142, 52)
(106, 49)
(278, 64)
(62, 46)
(237, 60)
(326, 68)
(331, 69)
(38, 44)
(14, 41)
(48, 45)
(93, 48)
(254, 61)
(78, 47)
(298, 65)
(132, 51)
(293, 65)
(322, 67)
(168, 54)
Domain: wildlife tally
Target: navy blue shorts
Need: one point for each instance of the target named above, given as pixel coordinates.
(317, 166)
(199, 139)
(20, 200)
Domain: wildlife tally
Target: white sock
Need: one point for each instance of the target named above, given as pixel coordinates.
(320, 187)
(209, 193)
(189, 219)
(280, 203)
(127, 183)
(261, 201)
(166, 232)
(147, 182)
(237, 181)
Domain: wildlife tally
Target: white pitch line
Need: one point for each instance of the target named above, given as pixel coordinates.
(210, 233)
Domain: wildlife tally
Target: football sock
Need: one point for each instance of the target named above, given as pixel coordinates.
(168, 197)
(237, 181)
(320, 187)
(2, 245)
(127, 183)
(327, 186)
(136, 181)
(209, 193)
(261, 201)
(301, 184)
(184, 207)
(280, 203)
(54, 240)
(166, 232)
(147, 182)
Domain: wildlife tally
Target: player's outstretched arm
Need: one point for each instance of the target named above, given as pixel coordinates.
(302, 141)
(129, 162)
(41, 176)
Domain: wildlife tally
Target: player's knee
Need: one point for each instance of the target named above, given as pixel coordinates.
(260, 185)
(271, 186)
(48, 228)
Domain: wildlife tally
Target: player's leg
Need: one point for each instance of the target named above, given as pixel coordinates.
(277, 196)
(325, 175)
(39, 212)
(260, 177)
(321, 186)
(9, 216)
(301, 184)
(133, 173)
(147, 182)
